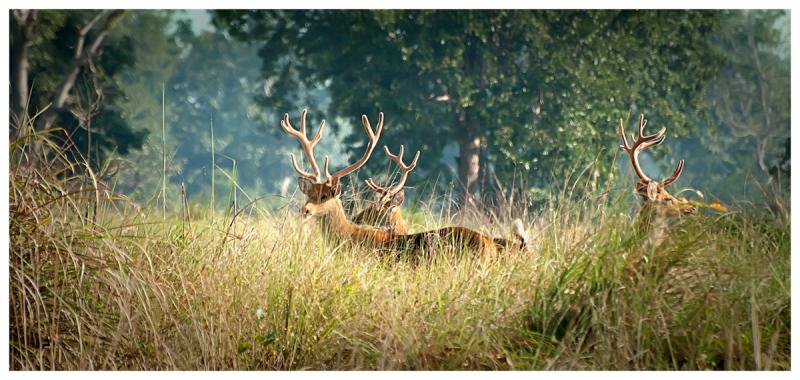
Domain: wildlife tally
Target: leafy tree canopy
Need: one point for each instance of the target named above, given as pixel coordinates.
(536, 92)
(73, 78)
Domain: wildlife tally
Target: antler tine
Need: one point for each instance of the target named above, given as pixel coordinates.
(325, 165)
(318, 135)
(398, 158)
(405, 169)
(368, 127)
(621, 132)
(414, 161)
(654, 136)
(373, 141)
(642, 124)
(675, 174)
(305, 143)
(372, 186)
(302, 172)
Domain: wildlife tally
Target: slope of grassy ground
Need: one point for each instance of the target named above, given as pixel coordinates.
(97, 284)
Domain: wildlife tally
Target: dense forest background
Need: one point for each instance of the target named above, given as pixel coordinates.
(490, 98)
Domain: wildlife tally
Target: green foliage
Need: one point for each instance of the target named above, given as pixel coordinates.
(545, 89)
(749, 129)
(217, 82)
(54, 37)
(142, 106)
(209, 79)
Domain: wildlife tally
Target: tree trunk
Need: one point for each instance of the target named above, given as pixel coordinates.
(469, 163)
(483, 167)
(21, 29)
(469, 150)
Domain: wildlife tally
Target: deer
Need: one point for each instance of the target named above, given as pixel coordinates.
(323, 203)
(385, 212)
(653, 192)
(659, 204)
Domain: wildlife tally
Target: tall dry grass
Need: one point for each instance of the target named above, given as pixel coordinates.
(96, 283)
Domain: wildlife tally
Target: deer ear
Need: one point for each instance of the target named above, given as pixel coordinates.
(398, 198)
(305, 184)
(652, 190)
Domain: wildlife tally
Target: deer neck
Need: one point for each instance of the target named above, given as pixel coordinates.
(397, 223)
(335, 223)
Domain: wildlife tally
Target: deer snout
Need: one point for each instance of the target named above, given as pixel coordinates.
(685, 206)
(305, 212)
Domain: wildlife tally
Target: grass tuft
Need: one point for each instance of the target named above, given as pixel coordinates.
(122, 288)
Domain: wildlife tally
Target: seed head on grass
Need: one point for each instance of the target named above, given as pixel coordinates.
(125, 292)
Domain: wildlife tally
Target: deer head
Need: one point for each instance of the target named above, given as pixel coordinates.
(323, 194)
(385, 212)
(654, 192)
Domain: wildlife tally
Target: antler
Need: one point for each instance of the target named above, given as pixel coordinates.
(306, 144)
(644, 142)
(308, 147)
(398, 159)
(373, 140)
(675, 174)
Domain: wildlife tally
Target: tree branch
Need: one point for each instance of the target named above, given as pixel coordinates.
(80, 59)
(84, 31)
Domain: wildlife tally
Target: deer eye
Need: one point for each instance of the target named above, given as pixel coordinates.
(323, 197)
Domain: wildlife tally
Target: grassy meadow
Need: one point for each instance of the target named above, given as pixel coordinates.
(98, 282)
